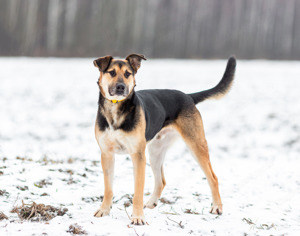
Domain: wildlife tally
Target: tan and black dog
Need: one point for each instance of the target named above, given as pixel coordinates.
(127, 121)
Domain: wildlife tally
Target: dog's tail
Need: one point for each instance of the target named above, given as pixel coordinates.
(222, 87)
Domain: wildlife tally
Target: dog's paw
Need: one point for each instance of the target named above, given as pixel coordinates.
(151, 203)
(102, 212)
(138, 220)
(216, 209)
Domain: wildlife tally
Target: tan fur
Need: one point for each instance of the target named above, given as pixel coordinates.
(113, 141)
(190, 127)
(105, 80)
(138, 157)
(116, 141)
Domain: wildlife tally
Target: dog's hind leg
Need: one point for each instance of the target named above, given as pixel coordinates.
(157, 150)
(190, 127)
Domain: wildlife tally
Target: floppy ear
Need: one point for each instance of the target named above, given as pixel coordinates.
(103, 63)
(135, 61)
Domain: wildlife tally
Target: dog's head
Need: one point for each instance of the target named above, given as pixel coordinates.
(117, 79)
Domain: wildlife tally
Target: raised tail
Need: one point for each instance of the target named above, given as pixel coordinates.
(222, 87)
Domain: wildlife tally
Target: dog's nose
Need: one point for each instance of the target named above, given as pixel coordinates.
(120, 88)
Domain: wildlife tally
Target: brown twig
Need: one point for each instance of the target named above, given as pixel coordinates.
(127, 213)
(15, 201)
(180, 223)
(169, 213)
(135, 231)
(3, 216)
(249, 221)
(32, 210)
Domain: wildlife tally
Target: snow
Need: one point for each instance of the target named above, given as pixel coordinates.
(47, 114)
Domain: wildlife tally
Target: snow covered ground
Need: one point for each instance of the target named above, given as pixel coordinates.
(47, 114)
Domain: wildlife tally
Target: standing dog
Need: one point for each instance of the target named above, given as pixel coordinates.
(128, 120)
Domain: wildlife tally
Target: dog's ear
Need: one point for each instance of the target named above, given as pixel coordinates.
(103, 63)
(135, 61)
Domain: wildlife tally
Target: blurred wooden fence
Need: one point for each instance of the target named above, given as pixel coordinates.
(158, 28)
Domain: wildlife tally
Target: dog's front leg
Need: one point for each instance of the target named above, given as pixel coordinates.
(139, 165)
(107, 162)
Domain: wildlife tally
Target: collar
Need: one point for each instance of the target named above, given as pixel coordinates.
(116, 101)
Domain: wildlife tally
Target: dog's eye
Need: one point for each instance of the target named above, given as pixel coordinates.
(112, 73)
(127, 74)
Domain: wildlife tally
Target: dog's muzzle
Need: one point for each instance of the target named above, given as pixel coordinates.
(119, 89)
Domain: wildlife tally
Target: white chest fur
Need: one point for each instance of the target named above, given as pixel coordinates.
(117, 141)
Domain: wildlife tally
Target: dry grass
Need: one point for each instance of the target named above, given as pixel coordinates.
(190, 211)
(4, 193)
(258, 226)
(3, 216)
(128, 200)
(38, 212)
(166, 201)
(23, 158)
(76, 229)
(92, 199)
(43, 183)
(22, 188)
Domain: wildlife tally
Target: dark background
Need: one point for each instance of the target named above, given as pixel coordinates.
(250, 29)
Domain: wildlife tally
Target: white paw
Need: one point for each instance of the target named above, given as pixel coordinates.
(138, 220)
(102, 212)
(152, 202)
(216, 209)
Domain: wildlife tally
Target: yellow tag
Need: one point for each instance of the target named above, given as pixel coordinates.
(114, 101)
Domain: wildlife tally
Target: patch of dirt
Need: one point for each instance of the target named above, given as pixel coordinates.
(76, 229)
(43, 183)
(258, 226)
(88, 170)
(166, 201)
(38, 212)
(82, 175)
(127, 203)
(196, 194)
(46, 160)
(95, 163)
(189, 211)
(71, 180)
(92, 199)
(3, 216)
(128, 200)
(22, 188)
(4, 193)
(23, 158)
(68, 171)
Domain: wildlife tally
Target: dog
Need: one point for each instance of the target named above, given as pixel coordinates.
(128, 120)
